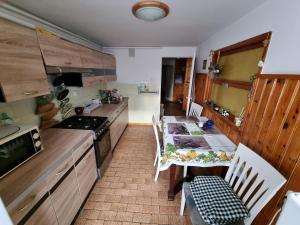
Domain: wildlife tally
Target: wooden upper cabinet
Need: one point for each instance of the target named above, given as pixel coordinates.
(20, 63)
(58, 52)
(90, 58)
(109, 61)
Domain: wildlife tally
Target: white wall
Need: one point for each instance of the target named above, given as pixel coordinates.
(280, 17)
(144, 67)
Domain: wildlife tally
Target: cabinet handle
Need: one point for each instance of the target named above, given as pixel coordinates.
(30, 92)
(26, 203)
(63, 169)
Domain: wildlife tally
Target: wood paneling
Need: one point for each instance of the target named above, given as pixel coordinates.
(202, 88)
(186, 82)
(90, 58)
(271, 128)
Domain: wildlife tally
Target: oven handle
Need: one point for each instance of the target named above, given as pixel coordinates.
(103, 134)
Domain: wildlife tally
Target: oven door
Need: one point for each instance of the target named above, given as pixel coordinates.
(102, 147)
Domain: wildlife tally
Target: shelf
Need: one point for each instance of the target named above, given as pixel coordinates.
(227, 120)
(233, 83)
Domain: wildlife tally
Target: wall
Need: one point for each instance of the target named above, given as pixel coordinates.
(23, 112)
(277, 16)
(144, 67)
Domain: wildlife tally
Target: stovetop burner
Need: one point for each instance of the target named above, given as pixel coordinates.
(82, 122)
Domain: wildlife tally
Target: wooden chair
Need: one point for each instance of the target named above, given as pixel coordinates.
(195, 110)
(160, 150)
(250, 173)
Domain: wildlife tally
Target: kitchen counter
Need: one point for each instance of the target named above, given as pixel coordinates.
(112, 111)
(58, 145)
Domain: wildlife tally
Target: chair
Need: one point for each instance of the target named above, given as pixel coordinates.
(160, 150)
(195, 110)
(252, 179)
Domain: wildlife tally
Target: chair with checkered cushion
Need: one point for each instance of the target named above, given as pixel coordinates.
(249, 185)
(160, 150)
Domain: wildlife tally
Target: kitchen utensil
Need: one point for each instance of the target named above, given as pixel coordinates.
(62, 94)
(66, 108)
(79, 110)
(44, 108)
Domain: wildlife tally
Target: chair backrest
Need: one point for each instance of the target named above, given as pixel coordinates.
(195, 110)
(253, 179)
(154, 124)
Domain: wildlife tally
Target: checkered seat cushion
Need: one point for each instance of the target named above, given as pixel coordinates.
(216, 202)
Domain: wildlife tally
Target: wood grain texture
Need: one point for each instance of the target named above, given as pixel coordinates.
(90, 58)
(66, 199)
(202, 88)
(20, 56)
(43, 215)
(18, 90)
(58, 146)
(271, 128)
(186, 83)
(58, 52)
(86, 173)
(117, 127)
(112, 111)
(93, 80)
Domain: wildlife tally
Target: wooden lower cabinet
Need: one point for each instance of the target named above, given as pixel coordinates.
(43, 215)
(86, 173)
(118, 126)
(66, 199)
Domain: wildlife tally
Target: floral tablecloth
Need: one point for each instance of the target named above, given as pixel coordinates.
(186, 144)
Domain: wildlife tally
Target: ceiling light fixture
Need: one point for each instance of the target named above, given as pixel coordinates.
(150, 10)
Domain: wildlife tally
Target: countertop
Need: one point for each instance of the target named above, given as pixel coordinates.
(110, 110)
(58, 144)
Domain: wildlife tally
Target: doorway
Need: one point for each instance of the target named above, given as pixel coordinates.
(175, 85)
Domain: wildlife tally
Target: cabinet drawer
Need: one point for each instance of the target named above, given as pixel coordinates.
(58, 172)
(78, 152)
(43, 215)
(17, 90)
(66, 200)
(86, 173)
(26, 201)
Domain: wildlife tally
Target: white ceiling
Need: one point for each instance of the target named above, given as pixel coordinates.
(111, 23)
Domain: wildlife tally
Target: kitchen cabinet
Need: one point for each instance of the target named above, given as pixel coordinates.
(109, 61)
(118, 126)
(25, 202)
(90, 58)
(86, 173)
(58, 52)
(66, 199)
(43, 215)
(22, 72)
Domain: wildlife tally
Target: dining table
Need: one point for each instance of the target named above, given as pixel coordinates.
(189, 142)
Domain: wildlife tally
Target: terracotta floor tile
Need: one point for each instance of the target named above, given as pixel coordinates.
(128, 194)
(124, 216)
(89, 214)
(141, 218)
(107, 215)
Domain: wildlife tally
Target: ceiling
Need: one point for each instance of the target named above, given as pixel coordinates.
(111, 23)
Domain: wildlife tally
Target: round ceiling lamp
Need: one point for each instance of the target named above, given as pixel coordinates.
(150, 10)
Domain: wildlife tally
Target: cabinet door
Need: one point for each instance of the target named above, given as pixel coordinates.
(86, 172)
(58, 52)
(17, 90)
(20, 55)
(43, 215)
(109, 61)
(90, 58)
(118, 126)
(66, 199)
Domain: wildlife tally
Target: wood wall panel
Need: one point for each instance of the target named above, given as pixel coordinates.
(272, 129)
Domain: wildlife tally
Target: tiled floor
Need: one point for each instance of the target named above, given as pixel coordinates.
(127, 194)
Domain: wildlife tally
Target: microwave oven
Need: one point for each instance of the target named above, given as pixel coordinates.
(17, 148)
